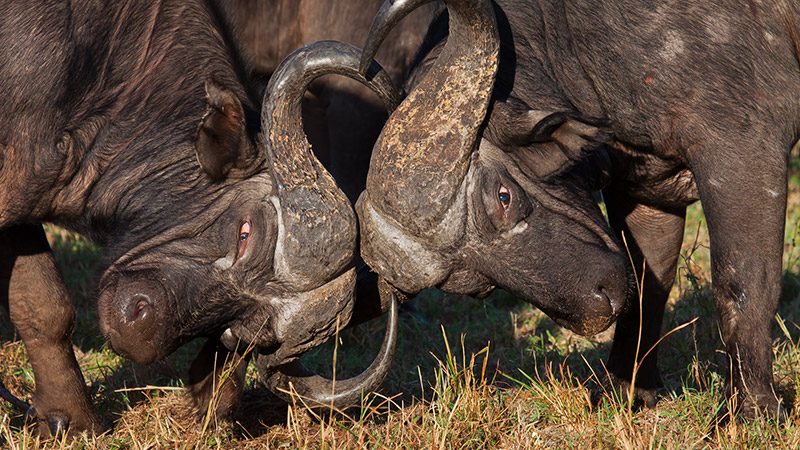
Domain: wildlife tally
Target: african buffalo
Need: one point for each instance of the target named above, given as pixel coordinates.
(664, 103)
(341, 117)
(127, 122)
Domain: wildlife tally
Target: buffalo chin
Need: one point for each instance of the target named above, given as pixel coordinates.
(588, 327)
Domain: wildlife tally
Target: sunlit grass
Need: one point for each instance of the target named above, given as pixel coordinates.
(468, 374)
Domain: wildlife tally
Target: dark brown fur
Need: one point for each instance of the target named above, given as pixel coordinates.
(102, 106)
(702, 99)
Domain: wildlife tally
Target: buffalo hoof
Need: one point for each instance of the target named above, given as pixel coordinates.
(751, 408)
(57, 424)
(616, 389)
(53, 424)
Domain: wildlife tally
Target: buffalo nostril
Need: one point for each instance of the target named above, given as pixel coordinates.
(615, 303)
(131, 316)
(140, 307)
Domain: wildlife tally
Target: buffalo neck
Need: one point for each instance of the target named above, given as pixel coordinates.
(545, 64)
(568, 74)
(105, 136)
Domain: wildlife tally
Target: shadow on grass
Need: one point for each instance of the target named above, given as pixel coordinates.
(520, 338)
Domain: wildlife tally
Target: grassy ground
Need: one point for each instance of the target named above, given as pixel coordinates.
(468, 374)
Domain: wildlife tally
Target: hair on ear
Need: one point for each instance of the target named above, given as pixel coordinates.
(222, 142)
(544, 143)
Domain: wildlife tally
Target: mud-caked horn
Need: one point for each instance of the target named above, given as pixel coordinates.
(422, 155)
(316, 224)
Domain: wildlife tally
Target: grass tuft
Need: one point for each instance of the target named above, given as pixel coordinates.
(512, 378)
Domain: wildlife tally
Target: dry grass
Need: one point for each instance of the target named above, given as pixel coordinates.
(469, 374)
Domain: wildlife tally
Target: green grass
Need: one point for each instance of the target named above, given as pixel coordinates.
(468, 374)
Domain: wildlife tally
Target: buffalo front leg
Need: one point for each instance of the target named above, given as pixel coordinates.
(744, 199)
(654, 239)
(41, 311)
(216, 379)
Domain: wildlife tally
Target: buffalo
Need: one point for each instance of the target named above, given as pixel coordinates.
(341, 117)
(128, 122)
(517, 111)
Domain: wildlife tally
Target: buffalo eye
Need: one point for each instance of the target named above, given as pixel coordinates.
(504, 196)
(244, 234)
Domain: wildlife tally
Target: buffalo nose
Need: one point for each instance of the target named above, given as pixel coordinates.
(610, 296)
(131, 318)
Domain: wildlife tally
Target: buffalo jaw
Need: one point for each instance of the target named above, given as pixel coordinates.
(292, 378)
(286, 327)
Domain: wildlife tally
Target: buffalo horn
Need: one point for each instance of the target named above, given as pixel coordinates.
(422, 155)
(317, 391)
(316, 224)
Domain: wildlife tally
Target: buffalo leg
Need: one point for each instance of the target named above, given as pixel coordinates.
(653, 236)
(42, 312)
(745, 215)
(217, 375)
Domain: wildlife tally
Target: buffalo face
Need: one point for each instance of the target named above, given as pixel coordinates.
(265, 253)
(517, 228)
(264, 257)
(195, 280)
(507, 230)
(465, 198)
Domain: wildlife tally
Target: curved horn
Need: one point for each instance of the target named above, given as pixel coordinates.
(318, 391)
(422, 155)
(316, 224)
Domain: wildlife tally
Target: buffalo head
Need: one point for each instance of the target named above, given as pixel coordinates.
(265, 255)
(466, 203)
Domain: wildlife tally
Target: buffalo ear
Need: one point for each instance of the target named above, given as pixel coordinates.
(545, 143)
(222, 141)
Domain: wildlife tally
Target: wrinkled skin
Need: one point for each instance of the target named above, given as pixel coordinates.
(701, 101)
(127, 122)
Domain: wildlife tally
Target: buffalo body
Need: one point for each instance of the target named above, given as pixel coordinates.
(663, 103)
